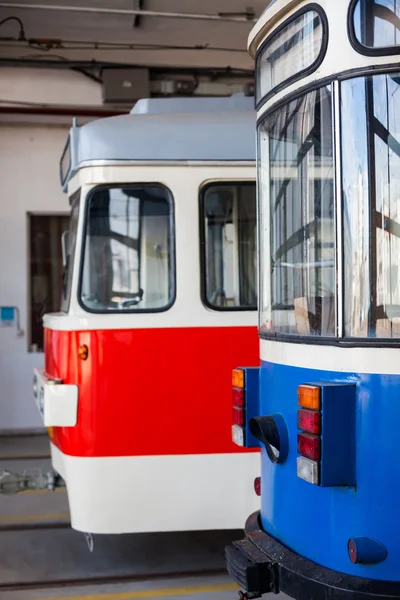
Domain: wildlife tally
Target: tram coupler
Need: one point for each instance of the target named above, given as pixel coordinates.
(14, 483)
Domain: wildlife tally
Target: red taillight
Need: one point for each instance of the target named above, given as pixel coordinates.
(309, 446)
(237, 397)
(257, 486)
(352, 548)
(309, 421)
(238, 416)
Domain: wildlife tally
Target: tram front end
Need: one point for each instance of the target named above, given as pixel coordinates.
(323, 406)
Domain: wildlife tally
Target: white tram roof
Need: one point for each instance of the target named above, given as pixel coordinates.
(166, 129)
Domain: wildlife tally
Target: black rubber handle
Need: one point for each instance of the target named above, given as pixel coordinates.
(266, 431)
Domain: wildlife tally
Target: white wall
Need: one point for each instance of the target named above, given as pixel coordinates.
(50, 87)
(29, 156)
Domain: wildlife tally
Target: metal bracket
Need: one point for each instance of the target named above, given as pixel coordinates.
(137, 5)
(90, 541)
(14, 483)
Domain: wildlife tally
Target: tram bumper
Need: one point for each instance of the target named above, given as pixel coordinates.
(260, 565)
(57, 402)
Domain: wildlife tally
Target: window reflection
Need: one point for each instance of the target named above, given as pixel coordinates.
(297, 236)
(377, 23)
(291, 51)
(127, 263)
(371, 193)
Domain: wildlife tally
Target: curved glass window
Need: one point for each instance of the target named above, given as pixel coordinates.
(128, 254)
(68, 242)
(377, 23)
(371, 211)
(65, 162)
(230, 245)
(289, 52)
(297, 231)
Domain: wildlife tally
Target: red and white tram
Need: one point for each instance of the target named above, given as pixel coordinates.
(159, 305)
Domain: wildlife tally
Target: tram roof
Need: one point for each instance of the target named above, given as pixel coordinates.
(187, 129)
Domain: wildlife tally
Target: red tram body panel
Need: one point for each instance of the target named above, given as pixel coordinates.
(156, 400)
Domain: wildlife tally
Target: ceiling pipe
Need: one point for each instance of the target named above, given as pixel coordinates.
(131, 12)
(47, 63)
(61, 111)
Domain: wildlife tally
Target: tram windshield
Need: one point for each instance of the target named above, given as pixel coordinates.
(128, 249)
(298, 227)
(297, 217)
(371, 197)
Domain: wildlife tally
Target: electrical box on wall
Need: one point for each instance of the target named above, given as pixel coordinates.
(125, 86)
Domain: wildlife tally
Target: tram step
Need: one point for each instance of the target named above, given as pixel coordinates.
(250, 568)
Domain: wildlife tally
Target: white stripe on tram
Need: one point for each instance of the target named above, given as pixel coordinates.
(332, 358)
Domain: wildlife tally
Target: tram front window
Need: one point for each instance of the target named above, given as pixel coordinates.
(297, 235)
(128, 249)
(371, 211)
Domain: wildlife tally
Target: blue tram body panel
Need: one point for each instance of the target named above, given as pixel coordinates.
(317, 521)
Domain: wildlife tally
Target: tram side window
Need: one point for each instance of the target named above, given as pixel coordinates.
(297, 231)
(296, 48)
(128, 250)
(230, 246)
(371, 205)
(69, 244)
(377, 23)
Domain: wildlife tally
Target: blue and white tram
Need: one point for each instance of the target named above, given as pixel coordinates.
(325, 404)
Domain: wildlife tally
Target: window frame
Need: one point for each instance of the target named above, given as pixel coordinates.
(171, 253)
(67, 148)
(358, 46)
(261, 100)
(29, 215)
(203, 245)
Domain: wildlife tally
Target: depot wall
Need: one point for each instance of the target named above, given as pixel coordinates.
(29, 183)
(50, 87)
(30, 148)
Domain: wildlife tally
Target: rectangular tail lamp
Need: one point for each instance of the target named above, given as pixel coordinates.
(246, 403)
(327, 434)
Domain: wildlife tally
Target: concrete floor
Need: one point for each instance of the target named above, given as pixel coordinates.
(38, 549)
(194, 588)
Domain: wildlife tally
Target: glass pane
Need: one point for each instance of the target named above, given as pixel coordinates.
(45, 271)
(297, 231)
(377, 23)
(288, 53)
(231, 245)
(128, 250)
(65, 162)
(68, 241)
(371, 196)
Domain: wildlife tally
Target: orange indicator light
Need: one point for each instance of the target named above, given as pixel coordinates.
(238, 378)
(310, 397)
(83, 352)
